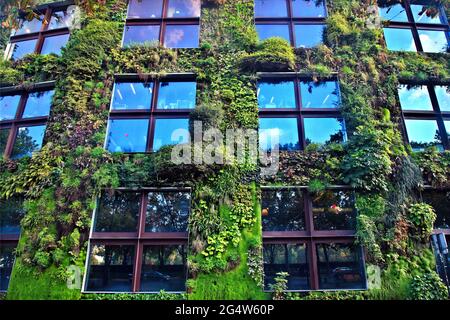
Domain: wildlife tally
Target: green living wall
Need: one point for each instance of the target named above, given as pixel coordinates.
(61, 182)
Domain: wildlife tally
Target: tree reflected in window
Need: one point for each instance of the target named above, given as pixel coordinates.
(324, 131)
(167, 212)
(11, 213)
(440, 201)
(118, 212)
(28, 140)
(333, 210)
(282, 210)
(423, 134)
(6, 263)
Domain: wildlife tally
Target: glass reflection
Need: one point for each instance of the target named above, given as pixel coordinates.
(170, 132)
(127, 135)
(309, 35)
(270, 8)
(394, 12)
(145, 8)
(176, 95)
(414, 98)
(4, 134)
(333, 210)
(167, 212)
(276, 94)
(282, 210)
(38, 104)
(399, 39)
(433, 41)
(28, 140)
(61, 19)
(440, 201)
(111, 268)
(132, 96)
(6, 263)
(427, 13)
(181, 36)
(21, 48)
(290, 258)
(117, 212)
(11, 213)
(183, 9)
(323, 131)
(443, 96)
(340, 266)
(321, 94)
(54, 44)
(163, 268)
(273, 30)
(447, 128)
(141, 35)
(29, 26)
(308, 8)
(8, 107)
(423, 134)
(281, 132)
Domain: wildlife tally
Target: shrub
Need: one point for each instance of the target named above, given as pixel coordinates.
(280, 286)
(422, 217)
(428, 287)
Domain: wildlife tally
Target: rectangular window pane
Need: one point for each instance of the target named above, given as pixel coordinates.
(118, 212)
(170, 132)
(110, 268)
(38, 104)
(282, 210)
(145, 9)
(184, 8)
(11, 212)
(127, 135)
(433, 41)
(443, 96)
(340, 266)
(167, 212)
(447, 128)
(29, 26)
(181, 36)
(309, 35)
(394, 12)
(273, 30)
(320, 94)
(141, 35)
(21, 48)
(276, 94)
(177, 95)
(6, 264)
(308, 8)
(281, 132)
(8, 107)
(323, 131)
(163, 268)
(270, 9)
(440, 201)
(414, 98)
(423, 134)
(290, 258)
(427, 12)
(61, 19)
(132, 96)
(28, 140)
(399, 39)
(54, 44)
(4, 134)
(333, 210)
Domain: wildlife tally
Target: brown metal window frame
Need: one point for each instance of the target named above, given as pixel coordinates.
(299, 112)
(153, 113)
(162, 22)
(415, 27)
(310, 236)
(138, 239)
(292, 21)
(44, 32)
(14, 124)
(436, 114)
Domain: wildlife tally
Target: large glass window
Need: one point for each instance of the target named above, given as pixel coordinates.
(440, 201)
(423, 134)
(138, 242)
(172, 23)
(333, 210)
(414, 25)
(23, 115)
(301, 22)
(6, 263)
(147, 116)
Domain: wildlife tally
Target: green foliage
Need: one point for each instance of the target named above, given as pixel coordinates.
(428, 286)
(422, 217)
(162, 295)
(280, 287)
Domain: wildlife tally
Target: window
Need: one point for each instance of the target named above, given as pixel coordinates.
(147, 116)
(11, 213)
(172, 23)
(38, 36)
(296, 112)
(414, 25)
(139, 241)
(23, 117)
(426, 115)
(440, 201)
(311, 236)
(300, 22)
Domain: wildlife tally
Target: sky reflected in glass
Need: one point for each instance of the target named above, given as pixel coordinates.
(165, 128)
(132, 96)
(308, 8)
(28, 140)
(8, 107)
(322, 94)
(177, 95)
(127, 135)
(272, 30)
(145, 8)
(276, 94)
(38, 104)
(26, 27)
(427, 14)
(184, 8)
(181, 36)
(433, 41)
(394, 12)
(414, 98)
(270, 8)
(423, 134)
(278, 131)
(54, 44)
(309, 35)
(22, 48)
(443, 96)
(60, 19)
(141, 35)
(447, 127)
(399, 39)
(324, 130)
